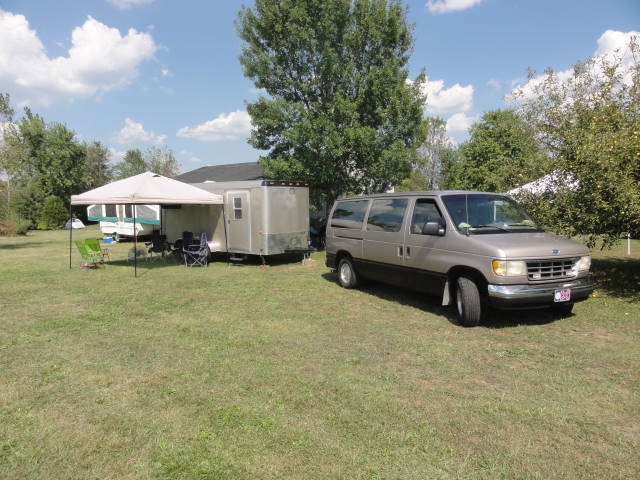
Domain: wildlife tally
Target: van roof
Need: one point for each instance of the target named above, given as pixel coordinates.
(414, 193)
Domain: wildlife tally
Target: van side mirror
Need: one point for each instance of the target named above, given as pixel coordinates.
(434, 228)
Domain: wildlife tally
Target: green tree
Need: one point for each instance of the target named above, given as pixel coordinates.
(590, 123)
(97, 169)
(337, 110)
(162, 161)
(133, 163)
(427, 171)
(501, 153)
(53, 214)
(40, 160)
(155, 159)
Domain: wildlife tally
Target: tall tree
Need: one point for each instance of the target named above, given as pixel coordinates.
(337, 109)
(133, 163)
(162, 161)
(500, 154)
(97, 169)
(42, 160)
(427, 171)
(590, 122)
(155, 159)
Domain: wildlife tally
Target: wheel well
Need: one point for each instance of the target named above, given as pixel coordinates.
(342, 254)
(470, 273)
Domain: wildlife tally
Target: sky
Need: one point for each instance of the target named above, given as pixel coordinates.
(162, 73)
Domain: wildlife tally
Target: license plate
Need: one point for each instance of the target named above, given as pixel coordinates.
(563, 295)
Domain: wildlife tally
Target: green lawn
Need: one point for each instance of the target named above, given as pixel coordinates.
(244, 372)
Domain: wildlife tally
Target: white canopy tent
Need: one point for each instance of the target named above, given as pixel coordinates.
(146, 188)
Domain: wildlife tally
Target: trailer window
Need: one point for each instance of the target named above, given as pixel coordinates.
(237, 208)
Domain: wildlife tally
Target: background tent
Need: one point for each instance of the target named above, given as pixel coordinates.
(73, 223)
(146, 188)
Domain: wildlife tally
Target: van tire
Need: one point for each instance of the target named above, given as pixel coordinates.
(468, 302)
(347, 275)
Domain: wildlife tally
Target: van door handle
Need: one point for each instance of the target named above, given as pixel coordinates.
(408, 252)
(400, 252)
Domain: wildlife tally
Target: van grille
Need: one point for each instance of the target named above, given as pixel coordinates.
(551, 269)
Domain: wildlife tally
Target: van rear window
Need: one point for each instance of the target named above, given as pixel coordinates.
(349, 214)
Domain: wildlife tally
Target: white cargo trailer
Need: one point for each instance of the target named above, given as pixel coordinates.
(260, 217)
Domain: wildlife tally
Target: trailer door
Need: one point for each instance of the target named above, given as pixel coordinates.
(238, 221)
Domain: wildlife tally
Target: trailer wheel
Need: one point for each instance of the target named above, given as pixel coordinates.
(347, 275)
(116, 236)
(468, 302)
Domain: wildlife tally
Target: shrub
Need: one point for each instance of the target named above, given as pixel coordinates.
(53, 214)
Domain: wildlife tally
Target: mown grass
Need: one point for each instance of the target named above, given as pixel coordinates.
(243, 372)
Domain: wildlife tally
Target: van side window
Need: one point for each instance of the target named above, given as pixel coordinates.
(386, 214)
(425, 210)
(349, 214)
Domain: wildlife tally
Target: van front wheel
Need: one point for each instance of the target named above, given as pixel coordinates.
(468, 302)
(347, 276)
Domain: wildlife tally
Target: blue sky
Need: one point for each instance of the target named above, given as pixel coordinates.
(141, 73)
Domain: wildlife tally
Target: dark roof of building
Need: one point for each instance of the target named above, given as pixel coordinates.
(224, 173)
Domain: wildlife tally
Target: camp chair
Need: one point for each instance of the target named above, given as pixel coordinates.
(196, 254)
(93, 245)
(158, 245)
(90, 256)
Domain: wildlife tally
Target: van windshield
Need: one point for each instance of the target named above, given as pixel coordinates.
(478, 213)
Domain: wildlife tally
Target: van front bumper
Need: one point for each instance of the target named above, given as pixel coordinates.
(541, 295)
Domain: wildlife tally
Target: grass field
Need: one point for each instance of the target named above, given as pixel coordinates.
(243, 372)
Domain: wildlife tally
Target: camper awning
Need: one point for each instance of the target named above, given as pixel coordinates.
(147, 188)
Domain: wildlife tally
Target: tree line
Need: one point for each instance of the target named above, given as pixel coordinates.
(43, 164)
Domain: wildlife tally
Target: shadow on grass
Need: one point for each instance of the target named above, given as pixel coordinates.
(618, 277)
(432, 304)
(21, 245)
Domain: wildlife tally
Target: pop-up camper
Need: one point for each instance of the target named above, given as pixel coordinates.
(125, 220)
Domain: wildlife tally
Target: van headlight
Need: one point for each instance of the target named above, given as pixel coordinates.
(584, 264)
(509, 268)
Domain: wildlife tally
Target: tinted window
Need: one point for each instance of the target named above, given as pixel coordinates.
(386, 214)
(349, 214)
(424, 211)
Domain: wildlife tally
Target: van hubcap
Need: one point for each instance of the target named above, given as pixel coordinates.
(345, 274)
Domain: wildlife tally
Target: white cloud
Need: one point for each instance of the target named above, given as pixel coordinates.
(99, 60)
(611, 43)
(134, 133)
(459, 123)
(230, 126)
(448, 6)
(443, 101)
(125, 4)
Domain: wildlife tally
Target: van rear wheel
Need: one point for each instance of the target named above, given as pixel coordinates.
(347, 275)
(468, 302)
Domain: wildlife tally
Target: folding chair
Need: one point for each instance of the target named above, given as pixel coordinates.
(90, 257)
(195, 254)
(158, 245)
